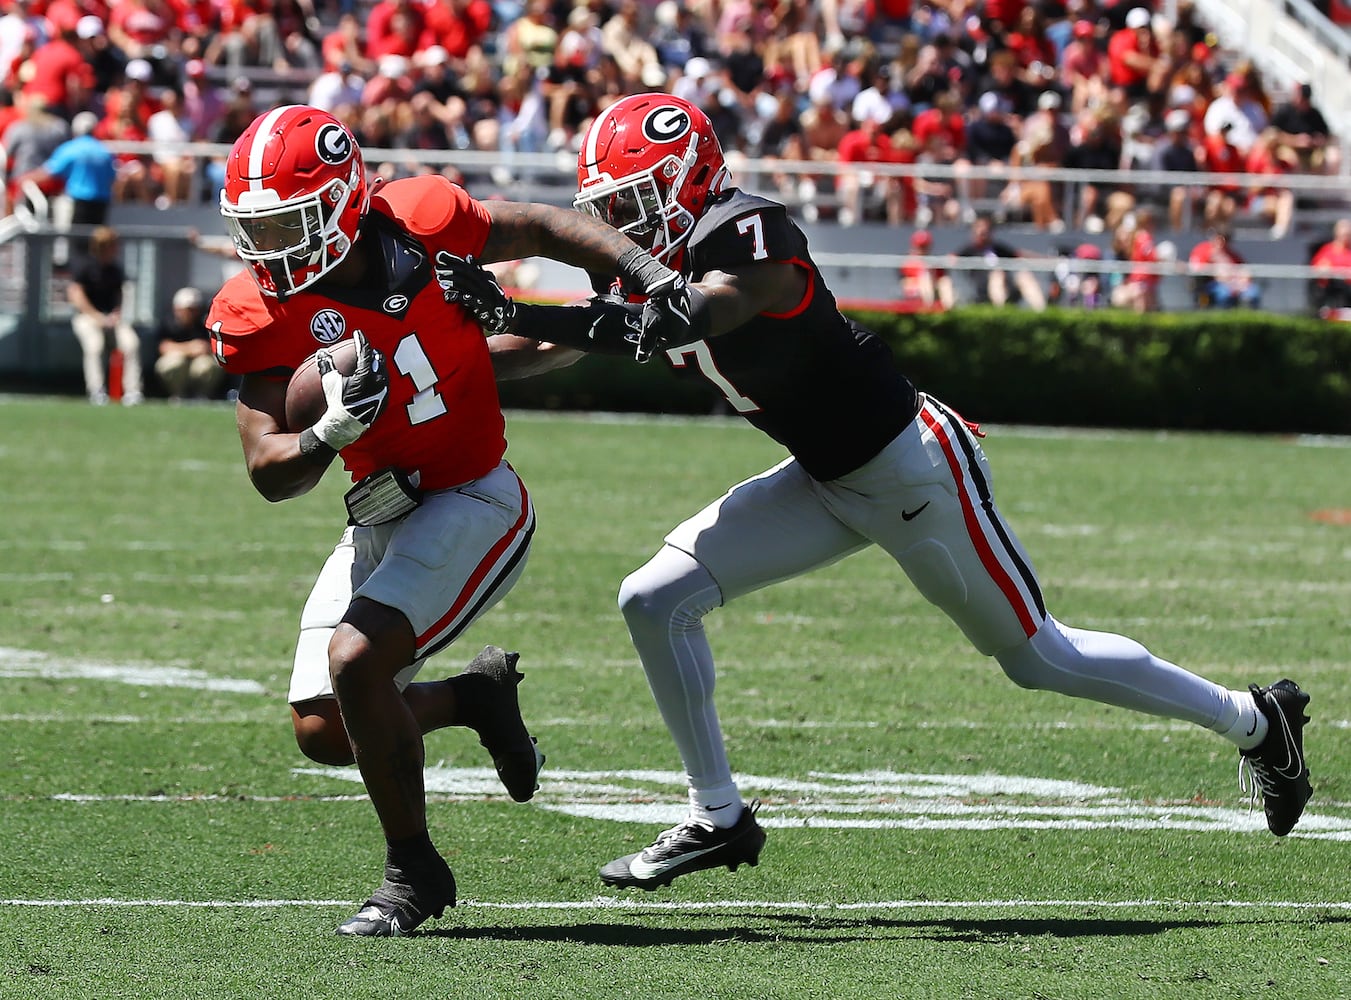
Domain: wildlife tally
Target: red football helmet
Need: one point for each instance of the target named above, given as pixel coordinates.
(648, 166)
(295, 193)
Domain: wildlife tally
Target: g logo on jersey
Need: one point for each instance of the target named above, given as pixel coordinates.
(333, 144)
(328, 326)
(666, 124)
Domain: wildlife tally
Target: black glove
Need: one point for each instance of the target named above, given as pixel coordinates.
(474, 287)
(354, 401)
(668, 317)
(616, 324)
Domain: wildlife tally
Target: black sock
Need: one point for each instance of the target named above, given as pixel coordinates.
(409, 855)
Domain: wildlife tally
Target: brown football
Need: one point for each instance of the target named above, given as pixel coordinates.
(305, 402)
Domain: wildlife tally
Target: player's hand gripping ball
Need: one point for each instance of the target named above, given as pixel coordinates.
(305, 400)
(349, 396)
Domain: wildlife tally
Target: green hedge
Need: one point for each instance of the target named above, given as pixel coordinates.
(1234, 371)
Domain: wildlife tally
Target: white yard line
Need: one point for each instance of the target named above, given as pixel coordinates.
(739, 905)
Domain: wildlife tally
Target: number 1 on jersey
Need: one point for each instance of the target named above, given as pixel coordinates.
(411, 360)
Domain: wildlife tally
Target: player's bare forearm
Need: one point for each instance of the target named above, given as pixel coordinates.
(527, 229)
(516, 357)
(277, 468)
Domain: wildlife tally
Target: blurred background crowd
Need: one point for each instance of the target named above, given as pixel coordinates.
(1072, 83)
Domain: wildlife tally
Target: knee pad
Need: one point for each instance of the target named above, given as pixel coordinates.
(1024, 666)
(935, 575)
(671, 589)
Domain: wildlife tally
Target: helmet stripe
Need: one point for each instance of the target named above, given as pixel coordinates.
(259, 146)
(593, 137)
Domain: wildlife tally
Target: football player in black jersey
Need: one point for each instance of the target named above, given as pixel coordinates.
(871, 462)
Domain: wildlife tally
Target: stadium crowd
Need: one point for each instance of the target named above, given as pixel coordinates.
(1069, 83)
(1093, 84)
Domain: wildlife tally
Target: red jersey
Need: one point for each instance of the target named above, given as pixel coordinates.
(1335, 257)
(1143, 251)
(1208, 252)
(443, 419)
(1119, 45)
(459, 30)
(54, 64)
(932, 129)
(860, 146)
(1221, 157)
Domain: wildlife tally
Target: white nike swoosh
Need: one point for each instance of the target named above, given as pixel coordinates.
(1295, 765)
(647, 869)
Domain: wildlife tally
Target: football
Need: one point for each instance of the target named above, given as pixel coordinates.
(305, 402)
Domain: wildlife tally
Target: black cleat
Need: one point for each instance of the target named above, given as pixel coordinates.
(689, 847)
(497, 714)
(1277, 763)
(395, 909)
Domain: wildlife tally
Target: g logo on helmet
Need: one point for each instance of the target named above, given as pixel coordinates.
(666, 123)
(333, 144)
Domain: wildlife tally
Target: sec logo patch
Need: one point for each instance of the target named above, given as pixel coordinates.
(328, 326)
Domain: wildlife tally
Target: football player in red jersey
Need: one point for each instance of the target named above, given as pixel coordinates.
(439, 524)
(872, 462)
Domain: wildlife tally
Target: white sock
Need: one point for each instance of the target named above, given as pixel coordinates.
(716, 807)
(1249, 725)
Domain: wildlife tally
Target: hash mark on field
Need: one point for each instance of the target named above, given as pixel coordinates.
(871, 800)
(24, 663)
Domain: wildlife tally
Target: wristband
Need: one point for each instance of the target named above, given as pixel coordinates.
(645, 270)
(314, 449)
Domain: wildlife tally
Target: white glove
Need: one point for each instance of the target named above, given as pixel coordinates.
(354, 401)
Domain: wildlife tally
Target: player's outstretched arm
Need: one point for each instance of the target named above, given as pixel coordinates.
(527, 229)
(516, 357)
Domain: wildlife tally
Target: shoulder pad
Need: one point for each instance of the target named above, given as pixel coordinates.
(744, 229)
(433, 206)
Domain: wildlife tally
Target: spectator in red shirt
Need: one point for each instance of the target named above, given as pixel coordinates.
(197, 19)
(1221, 281)
(940, 130)
(1331, 288)
(459, 25)
(403, 37)
(133, 93)
(392, 84)
(1220, 156)
(59, 73)
(1275, 204)
(1140, 290)
(345, 46)
(867, 144)
(1083, 67)
(1133, 54)
(1034, 51)
(137, 26)
(923, 286)
(134, 180)
(382, 23)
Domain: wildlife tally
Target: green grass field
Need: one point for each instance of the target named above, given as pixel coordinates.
(935, 831)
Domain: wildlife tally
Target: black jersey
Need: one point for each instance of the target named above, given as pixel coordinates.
(822, 386)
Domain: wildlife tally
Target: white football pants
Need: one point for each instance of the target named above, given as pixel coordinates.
(927, 500)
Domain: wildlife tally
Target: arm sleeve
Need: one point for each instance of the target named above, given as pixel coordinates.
(601, 326)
